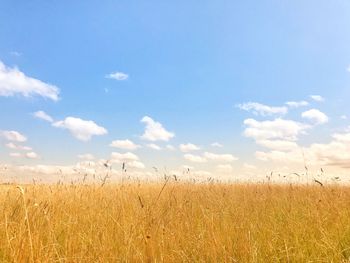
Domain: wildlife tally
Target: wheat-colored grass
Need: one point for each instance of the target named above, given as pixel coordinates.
(176, 222)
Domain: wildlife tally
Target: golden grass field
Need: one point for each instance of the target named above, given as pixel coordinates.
(174, 222)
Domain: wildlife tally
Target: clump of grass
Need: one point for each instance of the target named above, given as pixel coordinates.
(174, 222)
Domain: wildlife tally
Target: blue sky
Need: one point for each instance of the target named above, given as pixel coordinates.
(189, 66)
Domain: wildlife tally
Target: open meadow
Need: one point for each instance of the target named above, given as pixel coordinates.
(174, 222)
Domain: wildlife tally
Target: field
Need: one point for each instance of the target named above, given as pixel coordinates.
(174, 222)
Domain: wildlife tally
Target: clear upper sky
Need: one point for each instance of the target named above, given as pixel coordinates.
(202, 71)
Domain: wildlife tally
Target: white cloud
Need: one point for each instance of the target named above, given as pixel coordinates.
(13, 136)
(14, 82)
(276, 129)
(125, 144)
(43, 116)
(281, 145)
(195, 158)
(80, 129)
(135, 164)
(348, 69)
(316, 116)
(220, 157)
(343, 117)
(13, 146)
(155, 131)
(188, 147)
(153, 146)
(15, 53)
(261, 109)
(317, 98)
(86, 156)
(123, 157)
(31, 155)
(279, 156)
(216, 144)
(297, 104)
(118, 76)
(335, 153)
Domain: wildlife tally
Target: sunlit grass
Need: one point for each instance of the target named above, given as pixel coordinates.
(174, 222)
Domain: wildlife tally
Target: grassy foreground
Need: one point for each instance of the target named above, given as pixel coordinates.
(174, 223)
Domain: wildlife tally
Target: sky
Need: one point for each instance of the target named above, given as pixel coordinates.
(233, 89)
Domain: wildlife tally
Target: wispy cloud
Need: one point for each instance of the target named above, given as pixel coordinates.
(14, 82)
(188, 147)
(28, 155)
(216, 144)
(317, 98)
(43, 116)
(220, 157)
(15, 53)
(195, 158)
(117, 75)
(154, 146)
(13, 136)
(261, 109)
(13, 146)
(86, 156)
(297, 104)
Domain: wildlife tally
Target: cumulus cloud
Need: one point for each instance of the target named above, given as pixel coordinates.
(195, 158)
(316, 116)
(81, 129)
(13, 146)
(86, 156)
(154, 146)
(117, 76)
(189, 147)
(43, 116)
(136, 164)
(123, 157)
(13, 136)
(261, 109)
(220, 157)
(216, 144)
(155, 131)
(317, 98)
(335, 153)
(276, 129)
(297, 104)
(14, 82)
(129, 159)
(125, 144)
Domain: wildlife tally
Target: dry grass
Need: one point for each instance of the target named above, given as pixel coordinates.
(181, 223)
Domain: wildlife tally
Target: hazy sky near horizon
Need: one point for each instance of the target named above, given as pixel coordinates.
(219, 86)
